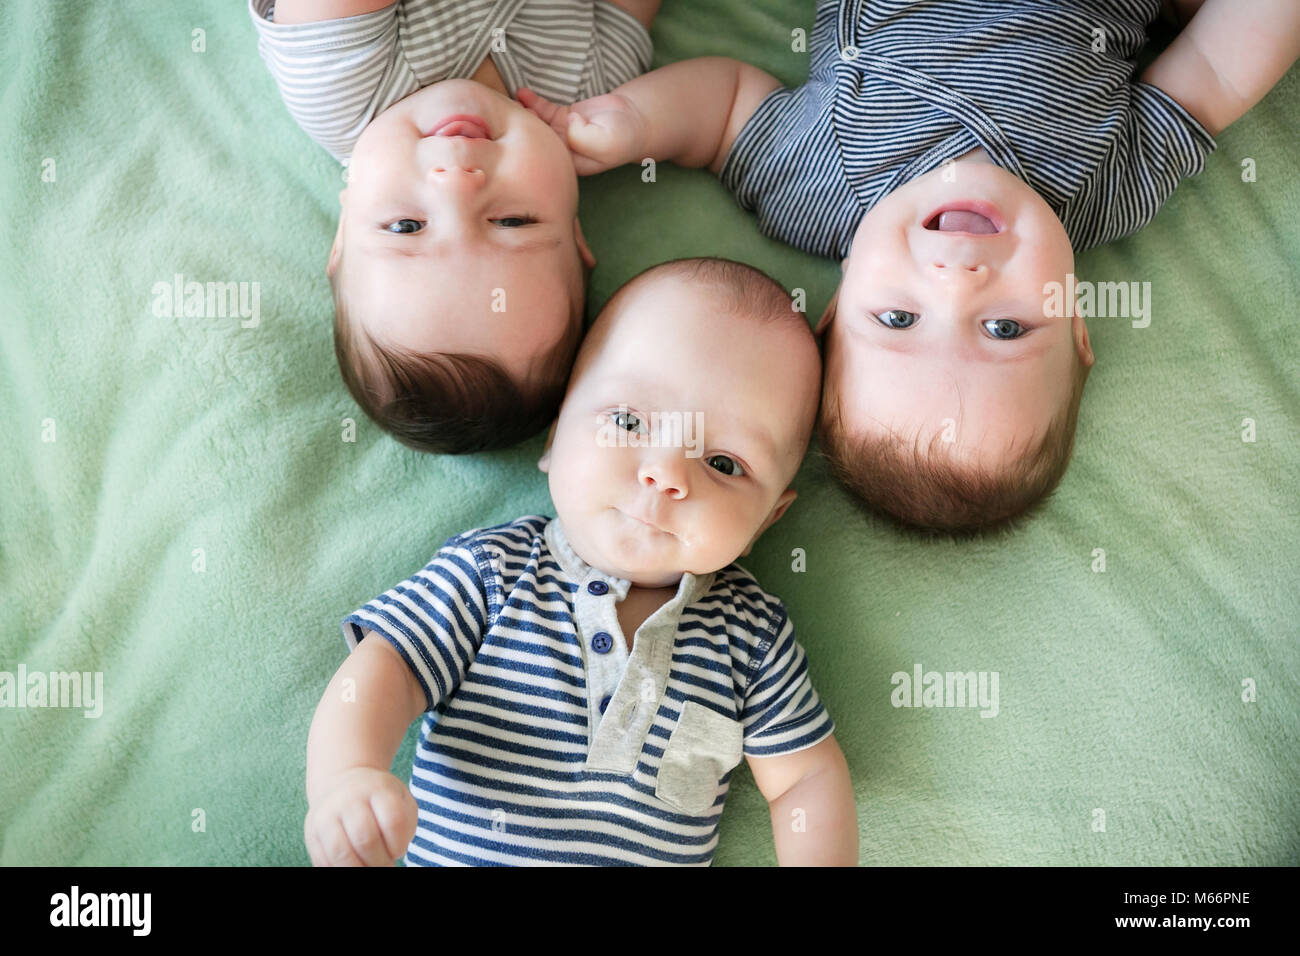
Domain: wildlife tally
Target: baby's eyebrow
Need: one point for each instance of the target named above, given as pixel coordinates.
(527, 245)
(407, 249)
(419, 250)
(752, 435)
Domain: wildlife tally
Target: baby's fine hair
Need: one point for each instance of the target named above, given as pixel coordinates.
(448, 403)
(743, 289)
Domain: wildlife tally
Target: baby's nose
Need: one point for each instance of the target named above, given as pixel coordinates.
(960, 271)
(454, 176)
(665, 475)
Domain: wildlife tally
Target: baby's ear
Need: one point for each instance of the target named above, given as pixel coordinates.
(829, 314)
(583, 249)
(1081, 343)
(544, 463)
(337, 248)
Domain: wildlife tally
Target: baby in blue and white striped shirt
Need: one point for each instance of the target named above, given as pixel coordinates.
(459, 268)
(590, 681)
(954, 156)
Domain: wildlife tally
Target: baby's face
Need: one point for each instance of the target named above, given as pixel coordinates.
(460, 224)
(745, 390)
(941, 325)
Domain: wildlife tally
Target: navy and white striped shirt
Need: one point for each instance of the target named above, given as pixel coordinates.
(335, 76)
(897, 88)
(546, 741)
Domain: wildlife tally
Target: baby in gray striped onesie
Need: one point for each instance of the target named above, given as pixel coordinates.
(459, 268)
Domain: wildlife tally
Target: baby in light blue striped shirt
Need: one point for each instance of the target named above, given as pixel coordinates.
(954, 156)
(458, 268)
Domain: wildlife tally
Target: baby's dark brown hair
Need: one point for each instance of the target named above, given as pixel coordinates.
(922, 487)
(443, 402)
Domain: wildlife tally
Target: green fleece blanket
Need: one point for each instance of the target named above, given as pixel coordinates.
(181, 514)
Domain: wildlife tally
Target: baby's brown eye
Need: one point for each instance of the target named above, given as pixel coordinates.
(406, 226)
(725, 464)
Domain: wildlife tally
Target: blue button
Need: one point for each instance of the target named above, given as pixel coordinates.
(601, 642)
(597, 587)
(604, 702)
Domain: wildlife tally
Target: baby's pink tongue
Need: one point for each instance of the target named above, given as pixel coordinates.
(960, 221)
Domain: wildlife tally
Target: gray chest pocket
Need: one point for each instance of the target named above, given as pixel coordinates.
(704, 745)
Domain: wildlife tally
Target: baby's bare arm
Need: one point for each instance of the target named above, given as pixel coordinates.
(1228, 57)
(362, 724)
(688, 113)
(313, 11)
(810, 798)
(695, 108)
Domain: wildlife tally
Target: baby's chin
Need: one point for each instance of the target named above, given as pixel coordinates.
(644, 556)
(427, 105)
(455, 92)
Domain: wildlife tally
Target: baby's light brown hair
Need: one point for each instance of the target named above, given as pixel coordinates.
(924, 487)
(448, 403)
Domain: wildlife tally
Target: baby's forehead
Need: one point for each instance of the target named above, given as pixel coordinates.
(758, 372)
(679, 284)
(693, 310)
(944, 421)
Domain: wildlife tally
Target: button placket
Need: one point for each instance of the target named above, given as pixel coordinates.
(618, 747)
(615, 679)
(604, 652)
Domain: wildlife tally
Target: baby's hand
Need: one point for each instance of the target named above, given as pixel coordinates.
(367, 817)
(602, 132)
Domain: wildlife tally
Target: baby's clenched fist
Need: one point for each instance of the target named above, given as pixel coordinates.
(366, 817)
(601, 132)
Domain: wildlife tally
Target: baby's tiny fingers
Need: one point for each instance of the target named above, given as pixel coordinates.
(395, 824)
(334, 841)
(364, 836)
(314, 849)
(536, 104)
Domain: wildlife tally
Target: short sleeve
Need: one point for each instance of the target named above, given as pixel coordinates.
(435, 619)
(335, 76)
(621, 50)
(784, 165)
(782, 712)
(1158, 145)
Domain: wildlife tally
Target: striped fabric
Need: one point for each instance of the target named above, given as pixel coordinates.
(546, 741)
(896, 89)
(337, 75)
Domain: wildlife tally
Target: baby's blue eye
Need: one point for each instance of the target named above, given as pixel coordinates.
(897, 319)
(725, 464)
(403, 223)
(626, 421)
(1004, 328)
(514, 222)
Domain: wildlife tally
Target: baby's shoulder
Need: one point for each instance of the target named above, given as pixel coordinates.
(746, 605)
(509, 542)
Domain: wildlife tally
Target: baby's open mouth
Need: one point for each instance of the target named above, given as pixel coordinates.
(471, 127)
(971, 218)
